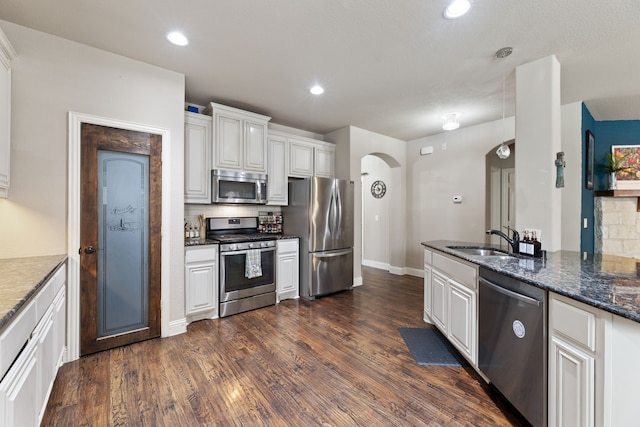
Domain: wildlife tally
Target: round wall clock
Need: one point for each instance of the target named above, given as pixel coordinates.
(378, 189)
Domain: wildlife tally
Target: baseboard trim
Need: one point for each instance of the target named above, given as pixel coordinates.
(415, 272)
(176, 327)
(376, 264)
(357, 281)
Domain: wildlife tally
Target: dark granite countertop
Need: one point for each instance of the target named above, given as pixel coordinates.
(608, 282)
(20, 280)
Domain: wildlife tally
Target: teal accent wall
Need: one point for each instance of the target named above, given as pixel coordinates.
(586, 234)
(606, 133)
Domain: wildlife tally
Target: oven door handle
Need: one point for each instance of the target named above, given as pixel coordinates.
(510, 293)
(244, 251)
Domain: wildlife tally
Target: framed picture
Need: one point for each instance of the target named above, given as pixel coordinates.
(627, 179)
(588, 177)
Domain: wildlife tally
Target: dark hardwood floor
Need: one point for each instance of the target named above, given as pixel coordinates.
(335, 361)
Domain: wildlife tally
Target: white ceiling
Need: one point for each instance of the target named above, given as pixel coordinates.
(389, 66)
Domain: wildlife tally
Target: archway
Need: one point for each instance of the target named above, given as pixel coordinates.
(381, 183)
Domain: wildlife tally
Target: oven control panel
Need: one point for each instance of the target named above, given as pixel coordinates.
(244, 246)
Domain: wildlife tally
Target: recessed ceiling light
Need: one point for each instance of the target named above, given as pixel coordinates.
(317, 90)
(178, 38)
(457, 8)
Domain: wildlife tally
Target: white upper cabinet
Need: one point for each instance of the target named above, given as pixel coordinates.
(6, 56)
(277, 154)
(197, 158)
(324, 160)
(309, 157)
(239, 139)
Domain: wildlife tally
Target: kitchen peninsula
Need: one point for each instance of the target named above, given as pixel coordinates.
(592, 328)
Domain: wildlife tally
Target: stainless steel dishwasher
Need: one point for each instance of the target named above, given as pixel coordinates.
(512, 342)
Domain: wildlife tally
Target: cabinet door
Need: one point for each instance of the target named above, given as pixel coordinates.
(438, 300)
(255, 146)
(300, 158)
(46, 359)
(462, 326)
(571, 386)
(197, 158)
(287, 276)
(324, 161)
(277, 191)
(59, 326)
(287, 270)
(200, 283)
(228, 142)
(18, 390)
(427, 294)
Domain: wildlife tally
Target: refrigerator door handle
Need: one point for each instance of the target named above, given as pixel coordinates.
(332, 254)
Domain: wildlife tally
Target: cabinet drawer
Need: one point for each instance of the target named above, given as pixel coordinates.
(290, 245)
(458, 270)
(209, 253)
(17, 333)
(573, 322)
(428, 257)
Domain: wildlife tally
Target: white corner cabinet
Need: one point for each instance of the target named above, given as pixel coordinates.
(197, 158)
(593, 358)
(310, 157)
(239, 138)
(287, 269)
(451, 295)
(6, 56)
(31, 351)
(201, 282)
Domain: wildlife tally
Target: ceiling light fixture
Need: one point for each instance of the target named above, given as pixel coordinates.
(178, 38)
(317, 90)
(457, 8)
(451, 121)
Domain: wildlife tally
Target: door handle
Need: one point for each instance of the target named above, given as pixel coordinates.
(89, 250)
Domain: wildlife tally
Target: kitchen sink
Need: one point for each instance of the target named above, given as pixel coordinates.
(483, 252)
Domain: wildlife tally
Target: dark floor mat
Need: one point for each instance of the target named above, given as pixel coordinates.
(429, 347)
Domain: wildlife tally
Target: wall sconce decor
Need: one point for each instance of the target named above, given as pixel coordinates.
(451, 121)
(560, 164)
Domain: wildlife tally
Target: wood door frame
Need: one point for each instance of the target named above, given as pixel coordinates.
(73, 222)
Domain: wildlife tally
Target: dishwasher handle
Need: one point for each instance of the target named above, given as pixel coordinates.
(510, 293)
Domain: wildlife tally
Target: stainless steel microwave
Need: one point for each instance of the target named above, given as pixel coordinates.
(238, 187)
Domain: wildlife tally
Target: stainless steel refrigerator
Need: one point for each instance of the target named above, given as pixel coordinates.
(320, 212)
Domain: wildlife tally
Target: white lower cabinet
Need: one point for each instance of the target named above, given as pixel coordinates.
(287, 270)
(26, 386)
(19, 389)
(427, 286)
(576, 362)
(451, 294)
(462, 328)
(201, 282)
(439, 300)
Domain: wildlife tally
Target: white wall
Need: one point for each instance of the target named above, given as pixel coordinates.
(538, 138)
(352, 144)
(376, 216)
(571, 222)
(457, 167)
(52, 76)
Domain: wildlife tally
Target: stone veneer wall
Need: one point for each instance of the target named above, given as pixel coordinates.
(617, 226)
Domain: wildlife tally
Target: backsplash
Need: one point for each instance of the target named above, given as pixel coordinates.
(617, 226)
(191, 211)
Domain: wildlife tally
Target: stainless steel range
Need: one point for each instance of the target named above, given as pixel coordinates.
(247, 264)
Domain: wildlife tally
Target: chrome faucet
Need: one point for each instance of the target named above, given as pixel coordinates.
(513, 242)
